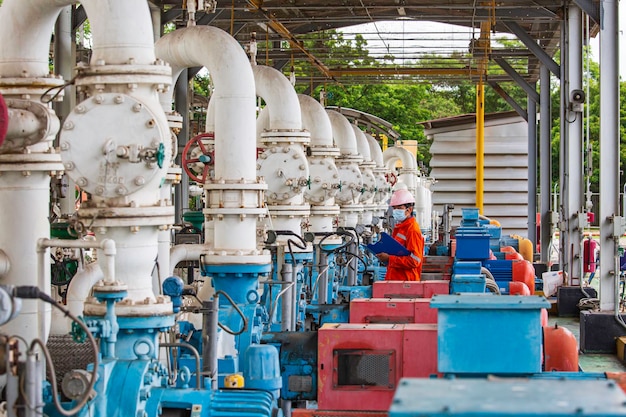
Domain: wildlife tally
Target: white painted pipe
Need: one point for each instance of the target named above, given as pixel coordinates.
(163, 259)
(80, 286)
(376, 152)
(362, 145)
(121, 29)
(316, 120)
(343, 134)
(24, 202)
(395, 153)
(234, 93)
(185, 252)
(5, 263)
(262, 124)
(280, 97)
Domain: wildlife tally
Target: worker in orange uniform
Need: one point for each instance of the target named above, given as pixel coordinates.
(408, 233)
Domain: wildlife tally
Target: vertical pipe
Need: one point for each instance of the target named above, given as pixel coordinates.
(574, 144)
(322, 289)
(545, 161)
(286, 302)
(352, 265)
(563, 208)
(181, 199)
(532, 172)
(609, 149)
(209, 339)
(480, 143)
(64, 59)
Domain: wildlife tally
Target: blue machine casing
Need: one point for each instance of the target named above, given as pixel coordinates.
(518, 397)
(493, 325)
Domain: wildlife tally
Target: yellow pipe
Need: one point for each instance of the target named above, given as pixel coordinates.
(480, 144)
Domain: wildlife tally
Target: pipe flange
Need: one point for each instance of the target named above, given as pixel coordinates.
(255, 259)
(33, 87)
(155, 309)
(132, 217)
(324, 152)
(349, 159)
(285, 169)
(98, 76)
(27, 162)
(30, 122)
(128, 145)
(276, 136)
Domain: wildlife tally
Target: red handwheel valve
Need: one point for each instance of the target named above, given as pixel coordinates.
(198, 157)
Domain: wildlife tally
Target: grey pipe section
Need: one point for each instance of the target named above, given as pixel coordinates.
(575, 177)
(545, 159)
(209, 339)
(609, 149)
(287, 306)
(196, 355)
(322, 289)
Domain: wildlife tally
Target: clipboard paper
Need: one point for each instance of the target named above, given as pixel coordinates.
(389, 245)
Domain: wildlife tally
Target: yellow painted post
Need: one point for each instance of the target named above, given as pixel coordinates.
(480, 144)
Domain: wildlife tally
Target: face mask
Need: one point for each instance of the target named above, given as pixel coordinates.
(398, 215)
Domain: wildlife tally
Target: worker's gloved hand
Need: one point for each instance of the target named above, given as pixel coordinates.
(383, 257)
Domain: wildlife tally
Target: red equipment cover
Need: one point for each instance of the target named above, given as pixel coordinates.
(410, 289)
(392, 310)
(360, 365)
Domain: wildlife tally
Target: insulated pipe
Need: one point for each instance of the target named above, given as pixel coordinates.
(5, 263)
(279, 95)
(363, 147)
(408, 172)
(391, 155)
(316, 120)
(121, 29)
(80, 286)
(184, 252)
(234, 93)
(376, 153)
(343, 134)
(235, 98)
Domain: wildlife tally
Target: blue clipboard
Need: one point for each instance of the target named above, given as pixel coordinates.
(388, 245)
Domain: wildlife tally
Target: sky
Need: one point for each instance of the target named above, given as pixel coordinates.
(414, 38)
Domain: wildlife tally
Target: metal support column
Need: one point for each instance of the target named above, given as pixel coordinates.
(181, 97)
(480, 144)
(545, 162)
(563, 204)
(64, 62)
(573, 210)
(532, 172)
(609, 150)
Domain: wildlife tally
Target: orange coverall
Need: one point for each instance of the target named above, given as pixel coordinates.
(407, 268)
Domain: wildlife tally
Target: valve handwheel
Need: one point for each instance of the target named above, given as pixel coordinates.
(198, 157)
(391, 178)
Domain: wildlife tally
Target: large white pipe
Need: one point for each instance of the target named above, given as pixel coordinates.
(395, 153)
(121, 29)
(376, 153)
(316, 120)
(343, 134)
(362, 146)
(280, 97)
(80, 286)
(184, 252)
(234, 93)
(235, 140)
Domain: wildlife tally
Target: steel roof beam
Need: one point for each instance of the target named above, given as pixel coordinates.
(518, 79)
(532, 44)
(510, 100)
(591, 8)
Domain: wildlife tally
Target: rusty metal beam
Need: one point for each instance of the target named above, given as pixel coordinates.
(340, 72)
(289, 37)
